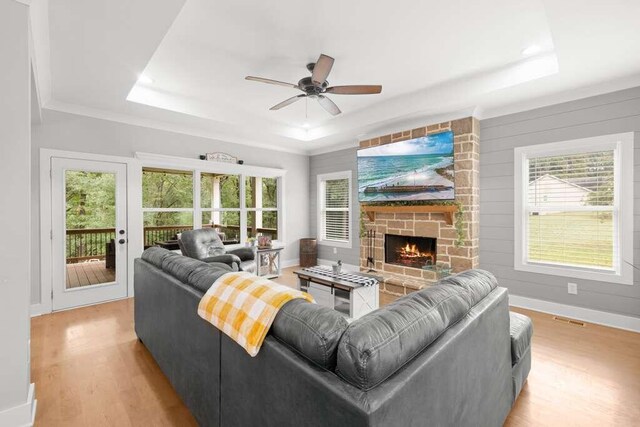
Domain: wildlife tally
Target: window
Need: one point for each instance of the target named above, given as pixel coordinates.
(334, 209)
(167, 204)
(262, 206)
(574, 208)
(220, 205)
(236, 206)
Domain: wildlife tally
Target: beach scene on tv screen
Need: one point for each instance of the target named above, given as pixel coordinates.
(416, 169)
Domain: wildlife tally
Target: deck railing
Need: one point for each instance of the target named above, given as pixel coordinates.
(88, 243)
(92, 243)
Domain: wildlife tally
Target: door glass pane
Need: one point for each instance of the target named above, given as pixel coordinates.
(227, 224)
(161, 228)
(262, 223)
(220, 191)
(90, 218)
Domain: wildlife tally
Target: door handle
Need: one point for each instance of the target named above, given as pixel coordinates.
(121, 232)
(122, 241)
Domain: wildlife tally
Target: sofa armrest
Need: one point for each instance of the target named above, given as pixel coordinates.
(229, 259)
(220, 265)
(245, 254)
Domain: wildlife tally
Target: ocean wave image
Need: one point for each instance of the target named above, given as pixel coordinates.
(416, 169)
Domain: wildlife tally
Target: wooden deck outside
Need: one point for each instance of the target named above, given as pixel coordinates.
(89, 273)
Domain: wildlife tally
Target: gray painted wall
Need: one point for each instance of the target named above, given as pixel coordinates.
(14, 210)
(601, 115)
(336, 161)
(72, 132)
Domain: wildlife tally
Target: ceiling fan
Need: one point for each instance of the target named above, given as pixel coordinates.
(317, 86)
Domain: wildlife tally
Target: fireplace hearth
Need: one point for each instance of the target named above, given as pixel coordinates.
(410, 251)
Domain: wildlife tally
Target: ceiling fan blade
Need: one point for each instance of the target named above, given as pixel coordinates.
(355, 90)
(287, 102)
(328, 105)
(322, 69)
(271, 82)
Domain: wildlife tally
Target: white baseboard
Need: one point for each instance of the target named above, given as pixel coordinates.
(619, 321)
(290, 263)
(347, 267)
(22, 415)
(39, 309)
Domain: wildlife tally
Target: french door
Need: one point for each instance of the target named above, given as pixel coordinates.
(89, 233)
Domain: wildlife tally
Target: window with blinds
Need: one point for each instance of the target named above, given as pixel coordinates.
(334, 213)
(571, 210)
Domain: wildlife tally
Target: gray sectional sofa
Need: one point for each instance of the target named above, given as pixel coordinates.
(443, 356)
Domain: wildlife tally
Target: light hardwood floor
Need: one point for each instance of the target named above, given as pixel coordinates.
(90, 370)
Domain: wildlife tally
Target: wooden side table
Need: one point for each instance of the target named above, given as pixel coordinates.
(268, 262)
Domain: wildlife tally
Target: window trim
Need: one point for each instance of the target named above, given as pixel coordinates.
(321, 179)
(197, 167)
(623, 205)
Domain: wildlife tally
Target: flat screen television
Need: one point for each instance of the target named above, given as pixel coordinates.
(415, 170)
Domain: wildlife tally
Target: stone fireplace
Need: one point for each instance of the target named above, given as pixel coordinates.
(410, 251)
(433, 234)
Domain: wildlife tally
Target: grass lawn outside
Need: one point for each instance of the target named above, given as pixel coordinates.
(577, 238)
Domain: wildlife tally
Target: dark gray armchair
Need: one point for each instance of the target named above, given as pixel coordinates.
(205, 245)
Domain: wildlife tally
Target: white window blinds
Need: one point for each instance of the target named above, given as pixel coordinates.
(335, 209)
(571, 211)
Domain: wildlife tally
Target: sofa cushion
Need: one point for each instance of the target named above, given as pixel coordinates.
(155, 255)
(478, 283)
(310, 329)
(380, 343)
(180, 266)
(521, 331)
(204, 276)
(198, 274)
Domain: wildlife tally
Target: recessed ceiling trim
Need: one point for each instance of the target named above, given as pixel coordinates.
(162, 125)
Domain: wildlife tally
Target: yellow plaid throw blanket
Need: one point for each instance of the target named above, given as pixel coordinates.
(243, 306)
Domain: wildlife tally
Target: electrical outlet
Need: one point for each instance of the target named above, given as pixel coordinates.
(335, 250)
(572, 288)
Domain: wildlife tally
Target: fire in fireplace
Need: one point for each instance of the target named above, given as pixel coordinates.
(410, 251)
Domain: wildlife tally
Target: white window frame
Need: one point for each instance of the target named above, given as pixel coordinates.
(193, 202)
(622, 144)
(322, 178)
(200, 166)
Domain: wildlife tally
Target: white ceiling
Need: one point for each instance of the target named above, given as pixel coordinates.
(433, 58)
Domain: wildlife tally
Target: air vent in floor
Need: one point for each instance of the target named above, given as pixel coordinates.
(569, 321)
